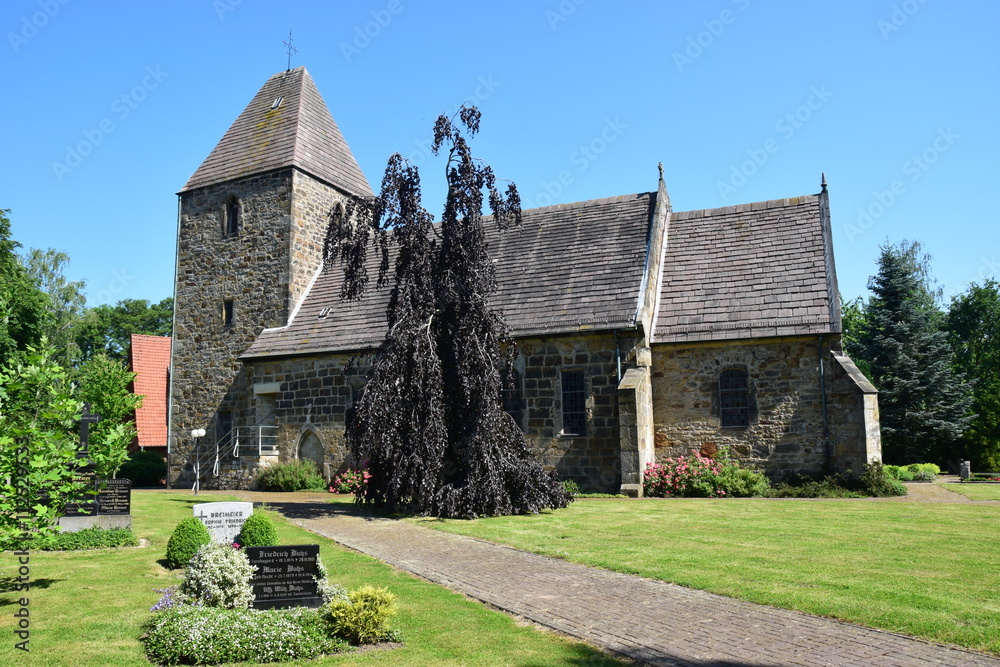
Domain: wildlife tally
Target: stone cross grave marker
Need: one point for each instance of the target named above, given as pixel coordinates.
(223, 520)
(86, 419)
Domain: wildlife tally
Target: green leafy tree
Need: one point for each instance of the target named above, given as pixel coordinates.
(38, 446)
(108, 329)
(431, 423)
(923, 402)
(67, 303)
(974, 332)
(104, 384)
(854, 322)
(22, 304)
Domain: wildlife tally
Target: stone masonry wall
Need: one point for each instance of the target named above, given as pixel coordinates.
(263, 270)
(785, 434)
(592, 460)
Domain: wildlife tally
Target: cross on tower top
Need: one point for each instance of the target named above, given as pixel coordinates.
(289, 48)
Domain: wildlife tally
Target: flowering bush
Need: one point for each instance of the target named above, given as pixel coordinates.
(700, 476)
(689, 476)
(352, 480)
(210, 636)
(219, 576)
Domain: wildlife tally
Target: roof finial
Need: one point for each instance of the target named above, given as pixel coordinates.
(824, 181)
(660, 167)
(291, 49)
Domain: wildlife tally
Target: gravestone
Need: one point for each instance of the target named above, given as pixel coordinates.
(109, 501)
(285, 576)
(224, 521)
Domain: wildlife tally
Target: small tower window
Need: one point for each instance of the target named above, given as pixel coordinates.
(228, 313)
(734, 398)
(574, 403)
(232, 226)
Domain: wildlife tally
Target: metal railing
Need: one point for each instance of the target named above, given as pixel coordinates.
(259, 438)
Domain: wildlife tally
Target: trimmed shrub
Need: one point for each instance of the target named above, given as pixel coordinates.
(924, 472)
(88, 538)
(211, 636)
(144, 468)
(294, 475)
(258, 531)
(363, 618)
(189, 534)
(739, 482)
(219, 576)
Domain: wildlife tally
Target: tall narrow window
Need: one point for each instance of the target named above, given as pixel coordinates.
(734, 398)
(232, 227)
(512, 395)
(228, 313)
(574, 403)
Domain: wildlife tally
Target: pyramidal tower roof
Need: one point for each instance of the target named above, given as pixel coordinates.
(287, 124)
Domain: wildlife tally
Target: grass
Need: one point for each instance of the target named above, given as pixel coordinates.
(926, 570)
(976, 491)
(87, 607)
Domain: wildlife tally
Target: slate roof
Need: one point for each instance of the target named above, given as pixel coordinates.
(748, 271)
(149, 359)
(299, 132)
(568, 268)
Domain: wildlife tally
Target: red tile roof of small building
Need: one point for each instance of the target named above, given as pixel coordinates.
(149, 359)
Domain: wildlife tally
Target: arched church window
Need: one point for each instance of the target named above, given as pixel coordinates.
(232, 227)
(734, 398)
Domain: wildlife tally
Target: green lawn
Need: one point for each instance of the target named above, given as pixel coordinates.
(87, 607)
(927, 570)
(974, 491)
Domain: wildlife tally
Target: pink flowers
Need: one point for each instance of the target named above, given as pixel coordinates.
(352, 480)
(692, 476)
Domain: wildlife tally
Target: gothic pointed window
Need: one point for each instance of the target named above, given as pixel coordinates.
(232, 225)
(734, 398)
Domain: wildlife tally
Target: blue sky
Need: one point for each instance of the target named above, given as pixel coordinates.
(111, 106)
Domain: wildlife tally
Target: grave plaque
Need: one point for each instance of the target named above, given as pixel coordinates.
(223, 520)
(86, 506)
(285, 576)
(114, 496)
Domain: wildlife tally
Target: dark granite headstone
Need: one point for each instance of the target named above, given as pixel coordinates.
(114, 496)
(285, 576)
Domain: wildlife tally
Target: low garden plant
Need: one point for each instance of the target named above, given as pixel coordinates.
(88, 538)
(294, 475)
(218, 575)
(184, 542)
(363, 617)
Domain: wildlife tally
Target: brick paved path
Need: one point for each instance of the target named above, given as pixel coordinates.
(650, 621)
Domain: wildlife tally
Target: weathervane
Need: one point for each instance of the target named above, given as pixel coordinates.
(291, 49)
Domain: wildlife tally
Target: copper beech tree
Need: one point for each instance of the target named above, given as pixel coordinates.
(430, 422)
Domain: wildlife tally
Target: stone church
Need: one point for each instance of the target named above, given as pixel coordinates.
(644, 333)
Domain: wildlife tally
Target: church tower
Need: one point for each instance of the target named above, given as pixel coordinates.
(251, 224)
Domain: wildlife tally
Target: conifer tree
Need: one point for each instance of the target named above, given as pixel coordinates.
(431, 423)
(923, 402)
